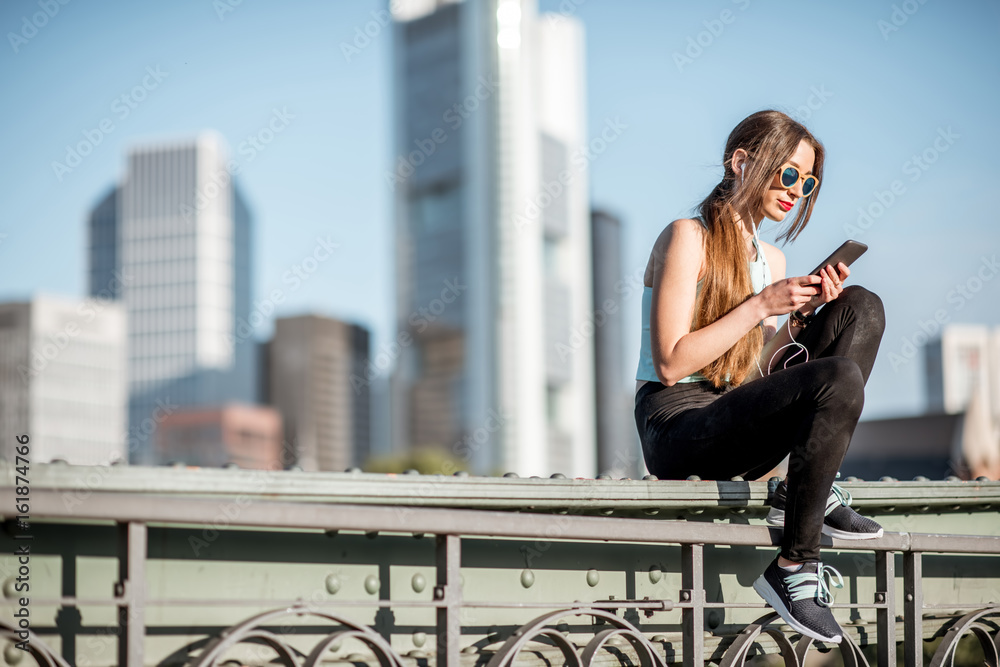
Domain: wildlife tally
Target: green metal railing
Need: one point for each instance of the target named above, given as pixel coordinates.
(144, 566)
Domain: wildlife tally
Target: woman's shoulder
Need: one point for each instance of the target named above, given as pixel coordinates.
(684, 227)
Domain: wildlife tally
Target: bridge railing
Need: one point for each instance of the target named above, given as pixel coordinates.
(142, 566)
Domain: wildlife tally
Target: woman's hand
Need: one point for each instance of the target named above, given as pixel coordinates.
(784, 296)
(830, 289)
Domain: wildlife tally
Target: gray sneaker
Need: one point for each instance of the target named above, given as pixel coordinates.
(803, 598)
(841, 521)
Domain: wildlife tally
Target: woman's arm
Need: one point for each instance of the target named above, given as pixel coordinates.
(677, 351)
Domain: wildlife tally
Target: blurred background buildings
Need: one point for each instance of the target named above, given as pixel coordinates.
(509, 347)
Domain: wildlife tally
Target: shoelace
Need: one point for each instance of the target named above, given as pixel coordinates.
(803, 585)
(838, 496)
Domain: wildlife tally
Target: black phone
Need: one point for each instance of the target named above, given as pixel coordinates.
(848, 252)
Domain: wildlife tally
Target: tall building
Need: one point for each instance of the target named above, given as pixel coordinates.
(172, 241)
(618, 448)
(63, 379)
(493, 241)
(317, 380)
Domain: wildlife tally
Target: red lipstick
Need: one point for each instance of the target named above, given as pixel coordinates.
(785, 206)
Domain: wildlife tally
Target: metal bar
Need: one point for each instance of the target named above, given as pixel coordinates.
(449, 590)
(885, 615)
(131, 589)
(474, 523)
(693, 617)
(913, 610)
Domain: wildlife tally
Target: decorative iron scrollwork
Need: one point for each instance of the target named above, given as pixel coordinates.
(945, 654)
(250, 630)
(42, 654)
(506, 654)
(736, 654)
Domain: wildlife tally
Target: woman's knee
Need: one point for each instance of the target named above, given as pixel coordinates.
(840, 385)
(867, 306)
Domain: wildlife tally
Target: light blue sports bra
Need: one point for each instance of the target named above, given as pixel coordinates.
(760, 277)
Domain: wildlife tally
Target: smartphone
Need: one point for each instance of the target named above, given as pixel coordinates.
(846, 253)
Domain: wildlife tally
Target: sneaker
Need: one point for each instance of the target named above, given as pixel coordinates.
(802, 598)
(841, 521)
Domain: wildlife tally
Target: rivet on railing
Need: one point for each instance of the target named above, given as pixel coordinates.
(736, 479)
(887, 478)
(371, 534)
(625, 479)
(470, 649)
(603, 476)
(439, 592)
(332, 584)
(693, 478)
(557, 475)
(879, 598)
(9, 591)
(353, 470)
(527, 578)
(372, 584)
(909, 597)
(411, 471)
(415, 654)
(655, 574)
(418, 582)
(535, 477)
(952, 478)
(461, 473)
(650, 478)
(651, 511)
(982, 478)
(593, 578)
(685, 596)
(419, 639)
(852, 478)
(511, 475)
(920, 478)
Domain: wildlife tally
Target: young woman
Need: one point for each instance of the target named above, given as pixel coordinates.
(723, 390)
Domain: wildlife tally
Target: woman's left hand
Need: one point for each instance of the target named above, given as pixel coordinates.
(830, 288)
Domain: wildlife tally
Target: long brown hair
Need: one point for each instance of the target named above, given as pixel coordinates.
(770, 138)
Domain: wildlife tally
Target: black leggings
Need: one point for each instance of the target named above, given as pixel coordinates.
(807, 411)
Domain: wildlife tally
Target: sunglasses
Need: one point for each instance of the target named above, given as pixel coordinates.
(789, 176)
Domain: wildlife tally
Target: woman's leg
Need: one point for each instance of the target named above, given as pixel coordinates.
(808, 412)
(850, 326)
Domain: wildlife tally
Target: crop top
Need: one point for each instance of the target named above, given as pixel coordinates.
(760, 277)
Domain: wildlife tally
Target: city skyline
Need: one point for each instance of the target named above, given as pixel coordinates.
(894, 149)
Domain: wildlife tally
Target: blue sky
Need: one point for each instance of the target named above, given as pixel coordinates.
(878, 82)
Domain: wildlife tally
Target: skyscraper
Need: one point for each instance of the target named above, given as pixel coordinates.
(176, 233)
(493, 241)
(316, 379)
(62, 379)
(618, 447)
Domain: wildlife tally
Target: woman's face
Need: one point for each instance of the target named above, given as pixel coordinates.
(779, 200)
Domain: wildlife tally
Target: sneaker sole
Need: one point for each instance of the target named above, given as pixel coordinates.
(771, 596)
(776, 518)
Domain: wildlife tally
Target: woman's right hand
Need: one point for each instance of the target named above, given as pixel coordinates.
(784, 296)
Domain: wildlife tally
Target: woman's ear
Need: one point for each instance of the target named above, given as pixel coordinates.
(739, 161)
